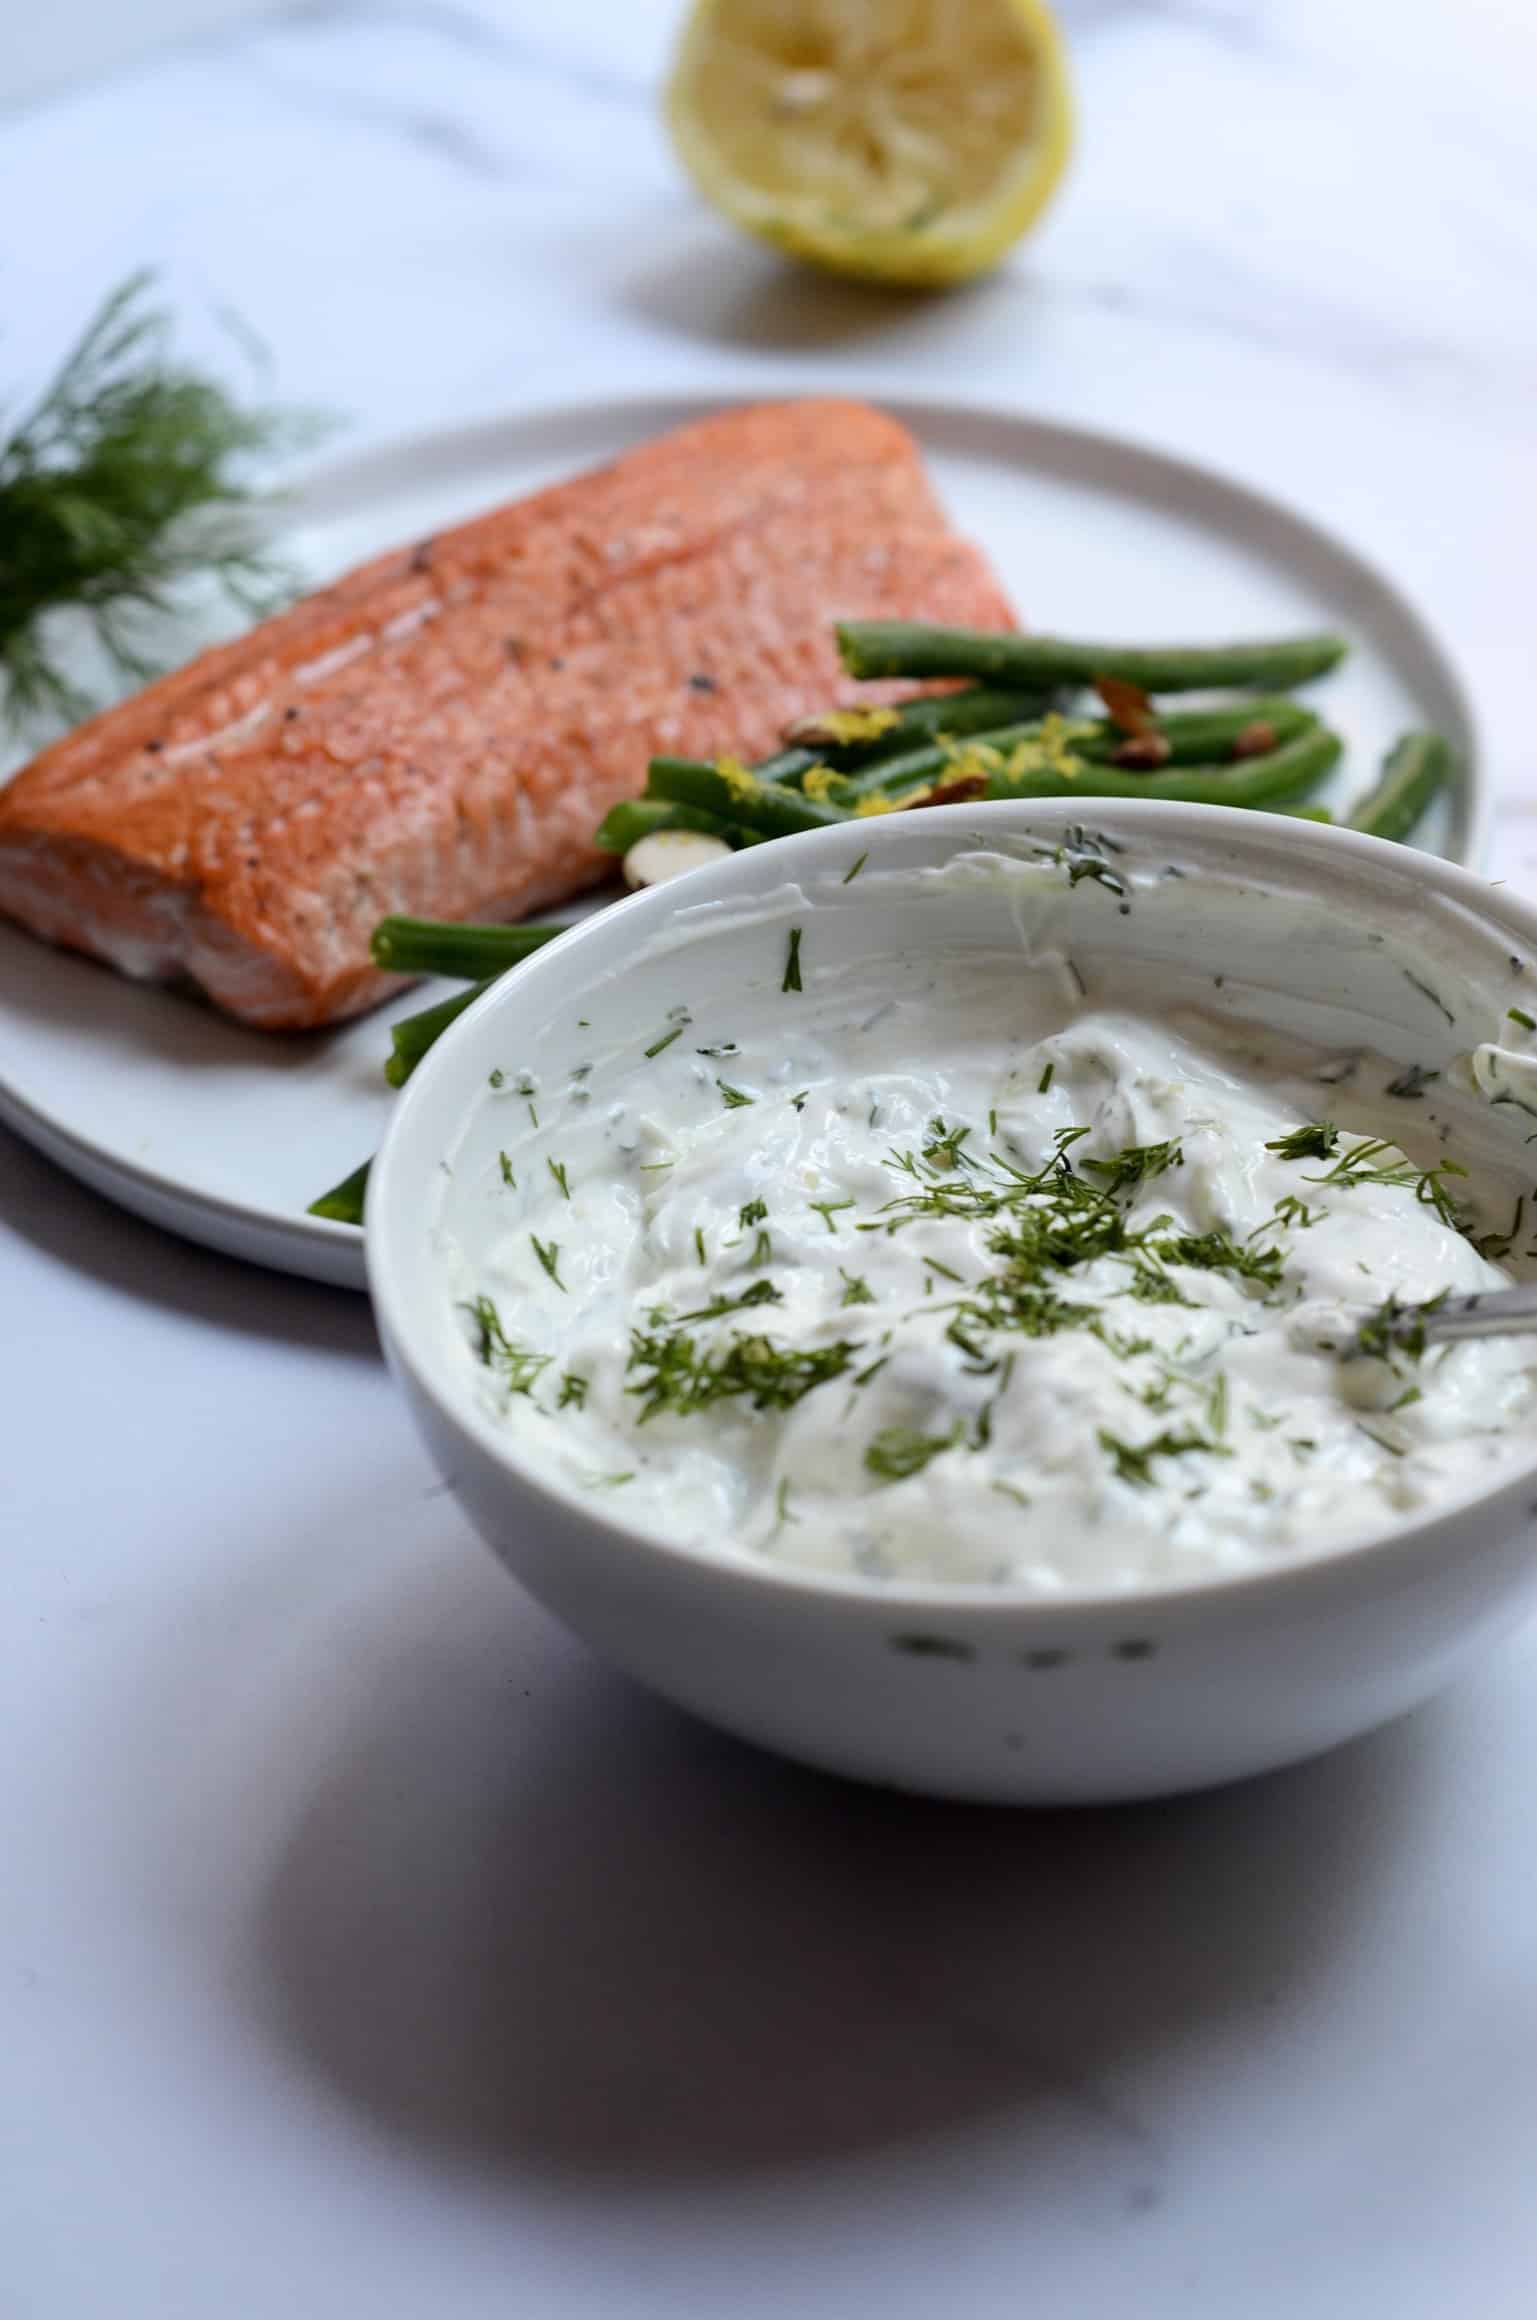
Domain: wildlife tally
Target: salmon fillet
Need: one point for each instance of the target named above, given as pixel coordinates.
(442, 730)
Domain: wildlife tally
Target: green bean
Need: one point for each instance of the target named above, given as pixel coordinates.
(1207, 736)
(624, 825)
(1285, 773)
(766, 807)
(902, 648)
(343, 1204)
(976, 709)
(414, 1034)
(440, 946)
(1197, 737)
(1414, 769)
(787, 765)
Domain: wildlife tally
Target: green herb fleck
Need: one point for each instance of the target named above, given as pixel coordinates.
(666, 1040)
(506, 1167)
(548, 1253)
(856, 1289)
(898, 1452)
(762, 1251)
(1009, 1490)
(557, 1170)
(670, 1372)
(497, 1077)
(1411, 1083)
(1134, 1165)
(573, 1391)
(754, 1212)
(1318, 1140)
(792, 981)
(850, 875)
(513, 1363)
(828, 1209)
(1043, 1084)
(699, 1245)
(1133, 1460)
(732, 1097)
(1520, 1015)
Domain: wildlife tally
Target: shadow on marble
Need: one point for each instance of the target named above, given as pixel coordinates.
(730, 294)
(79, 1228)
(532, 1922)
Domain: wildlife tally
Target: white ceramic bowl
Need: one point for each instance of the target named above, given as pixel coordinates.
(962, 1691)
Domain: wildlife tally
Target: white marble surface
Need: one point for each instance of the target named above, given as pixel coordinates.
(365, 1949)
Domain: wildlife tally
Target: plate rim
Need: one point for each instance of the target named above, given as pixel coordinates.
(322, 1249)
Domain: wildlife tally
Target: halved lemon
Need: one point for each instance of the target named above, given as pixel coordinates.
(907, 141)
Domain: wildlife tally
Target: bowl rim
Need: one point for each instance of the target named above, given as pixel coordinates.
(388, 1214)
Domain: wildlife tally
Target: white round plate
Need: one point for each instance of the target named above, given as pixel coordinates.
(224, 1135)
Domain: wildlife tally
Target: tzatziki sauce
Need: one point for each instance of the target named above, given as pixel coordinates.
(972, 1275)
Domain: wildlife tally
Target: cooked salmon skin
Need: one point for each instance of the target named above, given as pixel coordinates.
(441, 731)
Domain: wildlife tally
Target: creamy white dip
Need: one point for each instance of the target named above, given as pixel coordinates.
(991, 1281)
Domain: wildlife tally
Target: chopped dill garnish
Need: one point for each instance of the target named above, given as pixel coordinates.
(1134, 1165)
(782, 1514)
(1290, 1213)
(753, 1212)
(828, 1209)
(1520, 1015)
(943, 1149)
(715, 1053)
(1497, 1246)
(666, 1040)
(496, 1077)
(608, 1481)
(849, 876)
(1411, 1083)
(513, 1363)
(670, 1372)
(792, 981)
(762, 1251)
(760, 1293)
(505, 1165)
(897, 1452)
(573, 1391)
(1009, 1490)
(856, 1289)
(1045, 1080)
(557, 1170)
(1363, 1164)
(1218, 1252)
(1082, 855)
(699, 1245)
(732, 1097)
(1318, 1140)
(1434, 997)
(799, 1101)
(548, 1253)
(1133, 1460)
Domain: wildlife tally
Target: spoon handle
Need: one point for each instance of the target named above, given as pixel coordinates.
(1488, 1313)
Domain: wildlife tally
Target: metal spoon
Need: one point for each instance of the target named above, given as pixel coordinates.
(1486, 1313)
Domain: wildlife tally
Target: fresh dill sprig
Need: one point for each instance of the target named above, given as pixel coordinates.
(513, 1363)
(130, 474)
(669, 1371)
(557, 1170)
(548, 1253)
(897, 1452)
(1133, 1461)
(1318, 1140)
